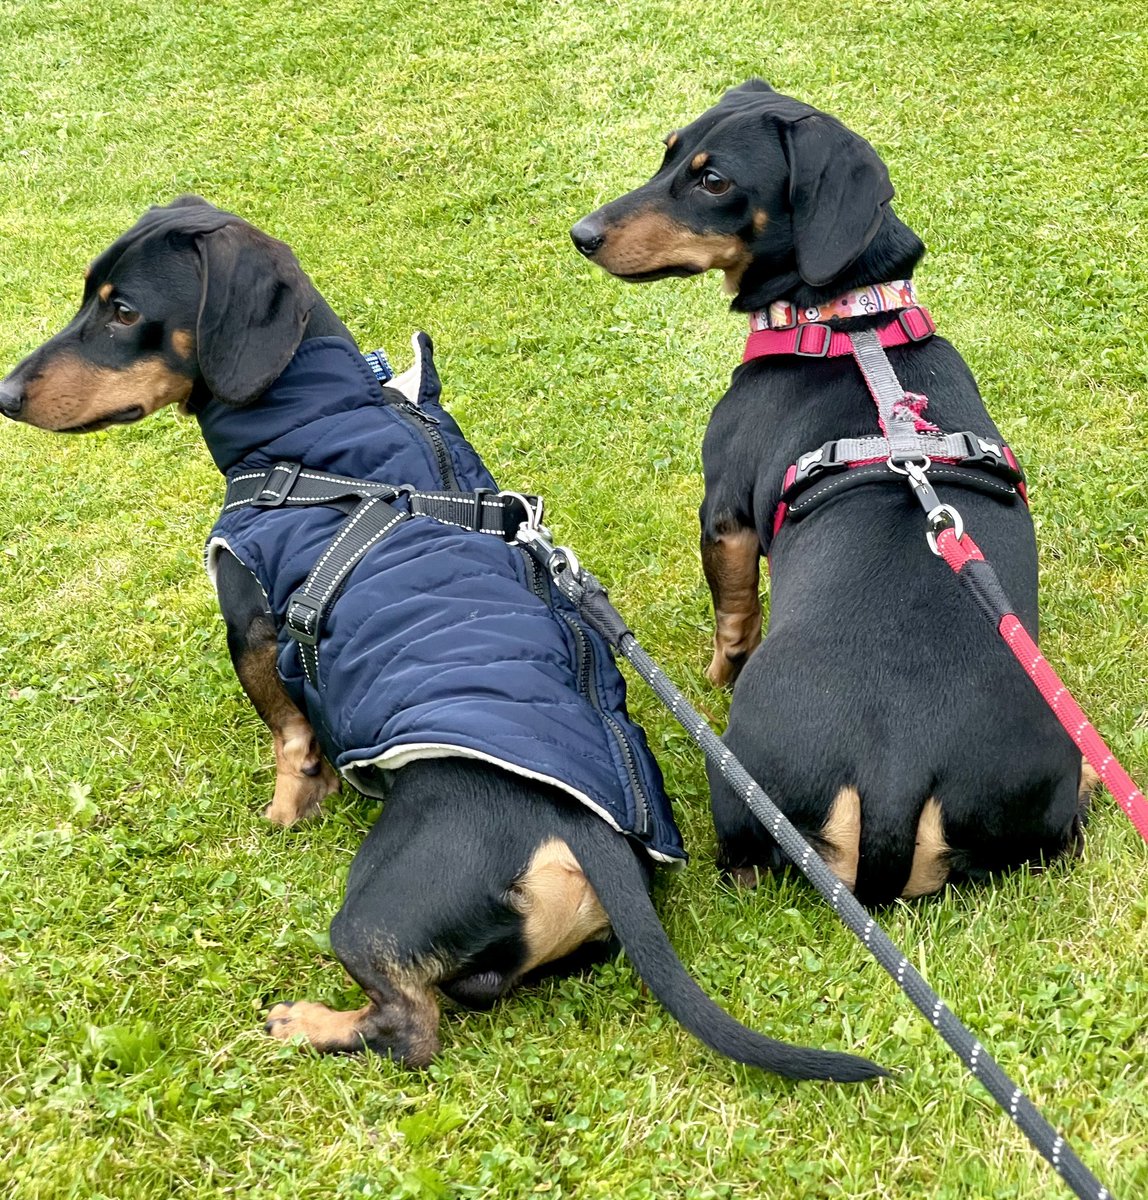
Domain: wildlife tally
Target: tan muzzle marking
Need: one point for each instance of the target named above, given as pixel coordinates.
(652, 241)
(68, 391)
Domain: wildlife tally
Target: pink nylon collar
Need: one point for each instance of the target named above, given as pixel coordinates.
(814, 340)
(864, 302)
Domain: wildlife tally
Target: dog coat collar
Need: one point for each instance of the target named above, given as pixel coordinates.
(864, 302)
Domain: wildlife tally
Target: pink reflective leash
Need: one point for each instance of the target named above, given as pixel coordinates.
(958, 550)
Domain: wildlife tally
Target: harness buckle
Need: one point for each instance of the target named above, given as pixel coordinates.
(303, 620)
(917, 323)
(990, 453)
(821, 350)
(283, 476)
(817, 462)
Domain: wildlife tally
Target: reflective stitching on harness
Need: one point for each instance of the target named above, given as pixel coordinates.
(338, 538)
(814, 494)
(366, 546)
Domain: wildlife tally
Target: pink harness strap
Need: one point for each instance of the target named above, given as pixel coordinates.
(815, 340)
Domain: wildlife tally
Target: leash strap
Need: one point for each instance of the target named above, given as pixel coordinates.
(963, 555)
(593, 604)
(370, 517)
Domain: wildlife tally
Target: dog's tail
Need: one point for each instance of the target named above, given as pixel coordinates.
(616, 876)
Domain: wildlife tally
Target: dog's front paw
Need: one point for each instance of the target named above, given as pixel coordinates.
(300, 793)
(722, 670)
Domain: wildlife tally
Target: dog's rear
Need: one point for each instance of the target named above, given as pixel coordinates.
(878, 712)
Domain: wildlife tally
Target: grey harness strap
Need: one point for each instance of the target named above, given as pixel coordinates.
(905, 443)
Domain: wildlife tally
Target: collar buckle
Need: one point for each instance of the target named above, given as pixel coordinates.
(916, 323)
(806, 345)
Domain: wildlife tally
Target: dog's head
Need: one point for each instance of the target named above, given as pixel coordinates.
(191, 302)
(772, 192)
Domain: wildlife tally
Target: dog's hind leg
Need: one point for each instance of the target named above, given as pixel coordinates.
(400, 1022)
(303, 777)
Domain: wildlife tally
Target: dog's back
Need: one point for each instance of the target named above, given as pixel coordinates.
(878, 707)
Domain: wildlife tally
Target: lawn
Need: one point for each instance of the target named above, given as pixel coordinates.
(426, 163)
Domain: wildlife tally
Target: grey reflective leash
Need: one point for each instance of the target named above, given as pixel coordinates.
(585, 592)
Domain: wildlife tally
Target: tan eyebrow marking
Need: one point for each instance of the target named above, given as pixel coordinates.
(699, 160)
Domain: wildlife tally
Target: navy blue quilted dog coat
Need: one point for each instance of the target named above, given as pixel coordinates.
(439, 643)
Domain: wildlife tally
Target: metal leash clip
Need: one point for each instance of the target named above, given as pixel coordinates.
(535, 536)
(940, 516)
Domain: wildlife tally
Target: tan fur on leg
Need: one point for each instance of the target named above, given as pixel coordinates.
(401, 1019)
(303, 777)
(841, 835)
(325, 1028)
(732, 569)
(930, 858)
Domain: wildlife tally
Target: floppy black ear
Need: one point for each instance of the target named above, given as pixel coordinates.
(751, 87)
(838, 189)
(252, 312)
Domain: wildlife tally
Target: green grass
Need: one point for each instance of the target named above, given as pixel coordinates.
(426, 163)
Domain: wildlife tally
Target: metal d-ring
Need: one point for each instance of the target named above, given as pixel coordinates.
(533, 522)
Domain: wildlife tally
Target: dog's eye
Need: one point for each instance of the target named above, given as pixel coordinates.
(124, 313)
(714, 183)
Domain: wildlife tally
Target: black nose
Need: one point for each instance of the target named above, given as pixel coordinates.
(588, 236)
(11, 399)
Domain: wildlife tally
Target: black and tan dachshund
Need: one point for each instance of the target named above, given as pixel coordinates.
(879, 712)
(472, 877)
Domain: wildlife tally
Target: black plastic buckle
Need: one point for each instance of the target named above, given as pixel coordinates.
(799, 343)
(282, 475)
(987, 453)
(303, 620)
(817, 462)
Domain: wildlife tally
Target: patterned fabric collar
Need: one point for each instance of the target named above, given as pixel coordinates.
(878, 297)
